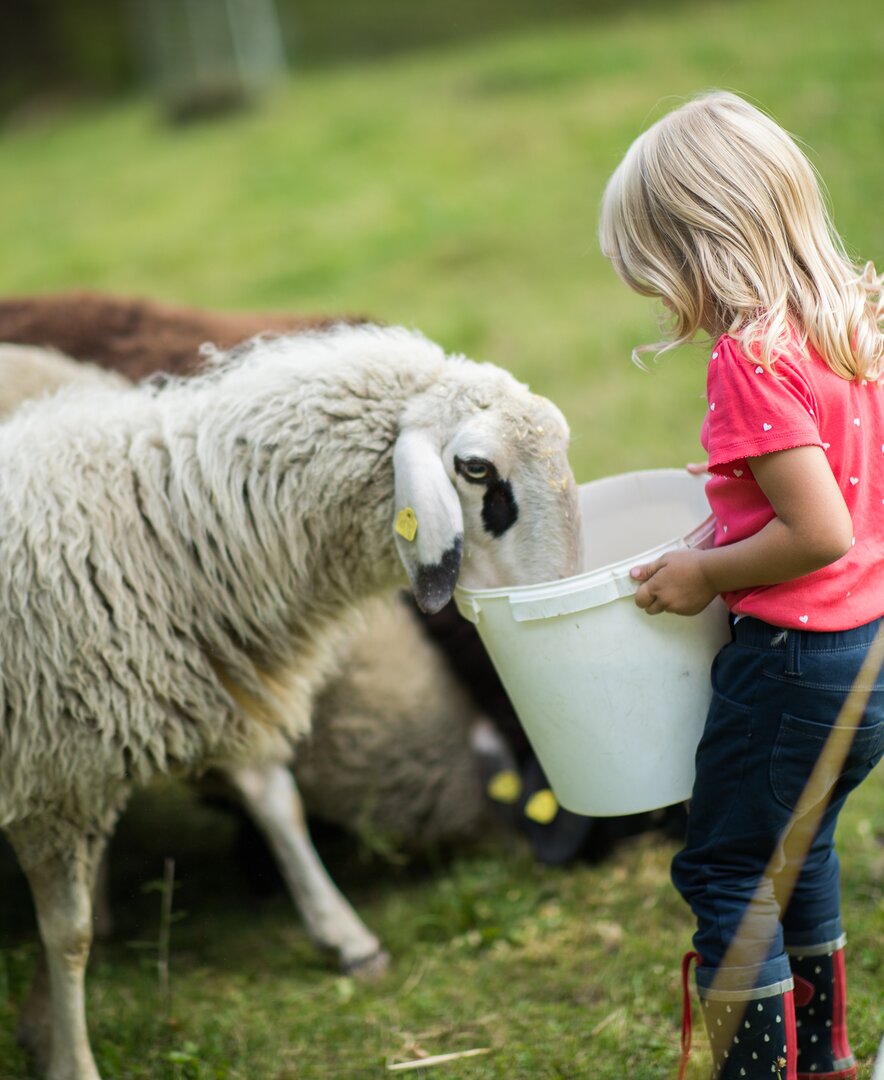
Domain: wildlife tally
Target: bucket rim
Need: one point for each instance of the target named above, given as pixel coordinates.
(700, 536)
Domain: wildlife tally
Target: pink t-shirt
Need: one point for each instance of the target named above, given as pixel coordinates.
(752, 412)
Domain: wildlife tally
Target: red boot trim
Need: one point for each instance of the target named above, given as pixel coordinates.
(804, 990)
(840, 1045)
(791, 1035)
(687, 1017)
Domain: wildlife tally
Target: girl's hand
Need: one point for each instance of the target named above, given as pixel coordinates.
(697, 468)
(675, 582)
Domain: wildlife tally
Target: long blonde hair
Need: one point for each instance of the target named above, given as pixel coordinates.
(717, 211)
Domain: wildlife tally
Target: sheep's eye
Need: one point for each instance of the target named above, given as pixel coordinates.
(475, 470)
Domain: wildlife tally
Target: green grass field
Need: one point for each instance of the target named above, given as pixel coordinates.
(453, 189)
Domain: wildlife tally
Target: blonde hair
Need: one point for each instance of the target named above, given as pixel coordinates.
(717, 211)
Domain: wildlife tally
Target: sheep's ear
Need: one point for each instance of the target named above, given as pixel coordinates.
(428, 522)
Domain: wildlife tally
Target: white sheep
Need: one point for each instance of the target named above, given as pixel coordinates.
(392, 751)
(397, 751)
(28, 372)
(178, 560)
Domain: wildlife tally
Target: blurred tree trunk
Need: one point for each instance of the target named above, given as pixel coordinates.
(198, 55)
(207, 56)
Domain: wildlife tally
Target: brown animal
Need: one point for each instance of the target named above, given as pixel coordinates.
(138, 337)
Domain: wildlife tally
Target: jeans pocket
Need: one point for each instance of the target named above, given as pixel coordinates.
(807, 747)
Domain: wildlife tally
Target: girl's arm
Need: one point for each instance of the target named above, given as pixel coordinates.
(812, 528)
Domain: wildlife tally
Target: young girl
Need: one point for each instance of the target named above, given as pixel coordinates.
(717, 212)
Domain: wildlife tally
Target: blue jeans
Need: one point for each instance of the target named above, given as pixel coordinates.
(776, 696)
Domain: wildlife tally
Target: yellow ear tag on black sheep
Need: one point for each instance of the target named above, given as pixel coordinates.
(542, 807)
(505, 786)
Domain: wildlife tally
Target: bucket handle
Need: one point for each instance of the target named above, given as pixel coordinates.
(468, 607)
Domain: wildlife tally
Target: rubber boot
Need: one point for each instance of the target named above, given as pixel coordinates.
(751, 1032)
(821, 1012)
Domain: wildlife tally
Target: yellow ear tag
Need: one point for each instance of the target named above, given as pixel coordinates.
(406, 523)
(505, 786)
(542, 807)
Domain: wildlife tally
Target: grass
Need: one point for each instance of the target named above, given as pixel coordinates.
(455, 189)
(562, 973)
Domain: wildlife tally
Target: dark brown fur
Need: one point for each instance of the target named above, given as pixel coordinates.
(135, 336)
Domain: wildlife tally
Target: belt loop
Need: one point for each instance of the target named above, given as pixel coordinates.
(793, 652)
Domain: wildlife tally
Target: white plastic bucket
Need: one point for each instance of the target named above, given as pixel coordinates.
(613, 700)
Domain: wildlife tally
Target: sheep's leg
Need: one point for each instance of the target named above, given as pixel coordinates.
(61, 885)
(33, 1032)
(272, 799)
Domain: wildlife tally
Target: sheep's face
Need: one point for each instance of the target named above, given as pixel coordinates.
(488, 500)
(517, 495)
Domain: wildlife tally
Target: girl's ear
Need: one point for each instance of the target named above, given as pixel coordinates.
(428, 521)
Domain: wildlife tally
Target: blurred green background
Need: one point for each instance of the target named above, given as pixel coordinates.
(436, 165)
(439, 165)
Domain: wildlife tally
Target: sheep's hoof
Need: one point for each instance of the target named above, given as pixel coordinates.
(368, 968)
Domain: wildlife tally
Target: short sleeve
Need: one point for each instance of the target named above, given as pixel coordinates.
(753, 411)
